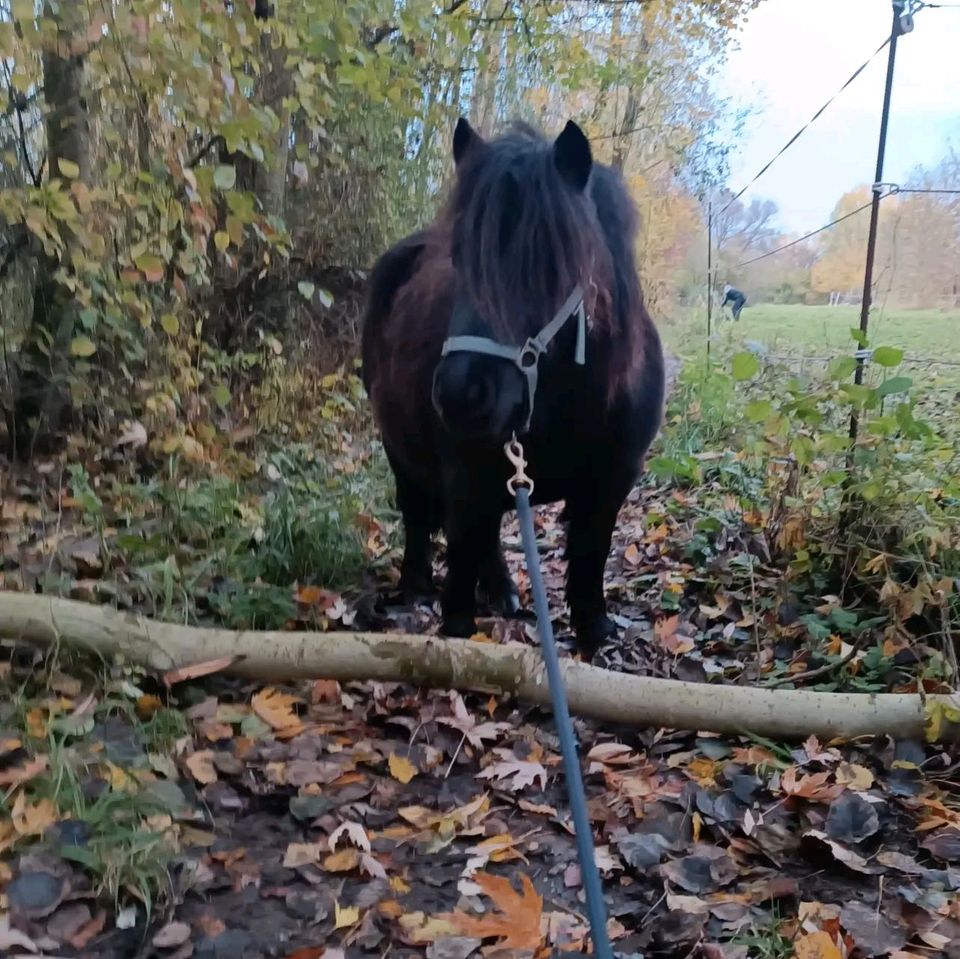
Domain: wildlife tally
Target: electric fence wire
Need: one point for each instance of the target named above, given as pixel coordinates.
(893, 190)
(809, 123)
(807, 236)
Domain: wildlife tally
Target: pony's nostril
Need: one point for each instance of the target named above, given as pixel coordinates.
(479, 395)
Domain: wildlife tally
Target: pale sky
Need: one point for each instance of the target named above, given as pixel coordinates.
(793, 54)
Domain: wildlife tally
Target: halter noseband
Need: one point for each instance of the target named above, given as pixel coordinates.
(527, 357)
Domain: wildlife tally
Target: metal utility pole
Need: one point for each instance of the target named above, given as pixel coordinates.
(899, 9)
(709, 275)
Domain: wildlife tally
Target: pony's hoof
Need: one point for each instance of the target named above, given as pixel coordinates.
(523, 615)
(509, 607)
(462, 627)
(417, 589)
(593, 634)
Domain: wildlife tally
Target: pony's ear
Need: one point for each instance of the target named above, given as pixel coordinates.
(465, 139)
(571, 153)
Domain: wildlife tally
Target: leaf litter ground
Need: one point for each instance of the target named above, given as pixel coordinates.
(369, 819)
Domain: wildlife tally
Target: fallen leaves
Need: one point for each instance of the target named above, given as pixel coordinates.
(852, 819)
(173, 934)
(815, 786)
(302, 854)
(199, 670)
(32, 818)
(201, 766)
(817, 945)
(18, 775)
(516, 922)
(401, 768)
(276, 709)
(514, 774)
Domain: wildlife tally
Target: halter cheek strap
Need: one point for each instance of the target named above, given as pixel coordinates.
(527, 357)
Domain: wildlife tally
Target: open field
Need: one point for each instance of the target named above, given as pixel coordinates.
(825, 330)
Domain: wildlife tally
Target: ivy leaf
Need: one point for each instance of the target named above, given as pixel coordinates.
(225, 177)
(758, 411)
(325, 297)
(887, 356)
(151, 266)
(82, 346)
(68, 168)
(306, 289)
(745, 366)
(170, 324)
(221, 395)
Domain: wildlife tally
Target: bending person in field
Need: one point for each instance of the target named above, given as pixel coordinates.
(735, 298)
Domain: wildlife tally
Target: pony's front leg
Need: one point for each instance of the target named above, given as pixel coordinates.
(496, 584)
(473, 533)
(589, 533)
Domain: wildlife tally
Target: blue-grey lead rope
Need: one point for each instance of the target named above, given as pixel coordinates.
(596, 910)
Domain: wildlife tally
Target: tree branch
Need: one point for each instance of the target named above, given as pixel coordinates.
(510, 669)
(214, 141)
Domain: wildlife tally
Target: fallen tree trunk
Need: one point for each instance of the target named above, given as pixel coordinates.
(512, 669)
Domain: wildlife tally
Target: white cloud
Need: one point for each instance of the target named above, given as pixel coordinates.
(794, 54)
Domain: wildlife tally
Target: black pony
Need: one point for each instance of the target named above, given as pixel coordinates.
(535, 233)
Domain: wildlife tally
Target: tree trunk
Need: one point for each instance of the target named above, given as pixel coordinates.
(271, 177)
(41, 394)
(510, 669)
(267, 181)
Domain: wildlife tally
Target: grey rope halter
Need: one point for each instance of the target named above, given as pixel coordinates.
(527, 357)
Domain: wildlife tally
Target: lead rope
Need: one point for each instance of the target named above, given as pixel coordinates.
(520, 486)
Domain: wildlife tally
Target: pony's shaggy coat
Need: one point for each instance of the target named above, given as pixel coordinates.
(517, 235)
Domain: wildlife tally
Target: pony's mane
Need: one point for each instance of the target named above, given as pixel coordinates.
(522, 239)
(557, 239)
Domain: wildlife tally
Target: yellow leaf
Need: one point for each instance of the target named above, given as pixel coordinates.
(703, 770)
(818, 945)
(345, 916)
(119, 780)
(170, 324)
(221, 240)
(192, 450)
(36, 723)
(32, 819)
(939, 714)
(419, 928)
(401, 769)
(276, 709)
(854, 776)
(82, 346)
(68, 168)
(346, 860)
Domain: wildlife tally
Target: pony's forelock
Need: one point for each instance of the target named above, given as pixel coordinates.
(523, 238)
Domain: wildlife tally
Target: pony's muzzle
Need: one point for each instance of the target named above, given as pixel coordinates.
(464, 399)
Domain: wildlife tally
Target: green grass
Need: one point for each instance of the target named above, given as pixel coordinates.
(825, 330)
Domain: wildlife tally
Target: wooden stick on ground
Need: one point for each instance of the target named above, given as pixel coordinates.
(461, 664)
